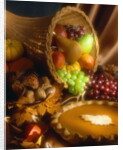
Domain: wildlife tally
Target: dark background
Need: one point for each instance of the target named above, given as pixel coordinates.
(34, 9)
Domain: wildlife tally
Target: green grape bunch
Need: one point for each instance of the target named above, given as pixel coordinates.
(76, 80)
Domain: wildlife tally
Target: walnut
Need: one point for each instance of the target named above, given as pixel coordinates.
(31, 81)
(18, 87)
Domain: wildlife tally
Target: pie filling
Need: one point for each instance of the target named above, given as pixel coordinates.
(94, 119)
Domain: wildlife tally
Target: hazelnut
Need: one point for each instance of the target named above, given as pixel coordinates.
(40, 94)
(50, 91)
(30, 95)
(45, 80)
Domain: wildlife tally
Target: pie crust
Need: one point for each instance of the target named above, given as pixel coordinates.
(83, 121)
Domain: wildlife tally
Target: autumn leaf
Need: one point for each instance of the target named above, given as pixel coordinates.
(41, 109)
(31, 110)
(39, 141)
(20, 118)
(37, 144)
(23, 115)
(51, 104)
(27, 145)
(55, 108)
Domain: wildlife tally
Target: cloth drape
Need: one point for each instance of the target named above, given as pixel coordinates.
(105, 21)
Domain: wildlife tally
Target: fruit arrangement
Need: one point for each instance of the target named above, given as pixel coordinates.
(71, 55)
(34, 97)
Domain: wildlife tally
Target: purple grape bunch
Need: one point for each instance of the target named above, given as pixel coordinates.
(75, 32)
(102, 87)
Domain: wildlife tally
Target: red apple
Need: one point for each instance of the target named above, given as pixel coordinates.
(60, 30)
(58, 59)
(32, 132)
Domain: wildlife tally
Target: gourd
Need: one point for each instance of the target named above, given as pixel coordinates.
(14, 49)
(72, 67)
(21, 64)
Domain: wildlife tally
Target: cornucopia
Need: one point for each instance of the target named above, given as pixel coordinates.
(57, 93)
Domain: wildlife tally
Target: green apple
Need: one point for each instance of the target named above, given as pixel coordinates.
(86, 42)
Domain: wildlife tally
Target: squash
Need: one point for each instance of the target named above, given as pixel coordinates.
(72, 67)
(6, 68)
(22, 64)
(14, 49)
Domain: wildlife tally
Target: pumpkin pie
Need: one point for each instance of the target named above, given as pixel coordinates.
(83, 120)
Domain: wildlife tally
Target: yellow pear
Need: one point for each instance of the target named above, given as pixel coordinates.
(71, 48)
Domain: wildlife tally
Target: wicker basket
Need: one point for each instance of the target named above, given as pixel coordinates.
(69, 16)
(36, 34)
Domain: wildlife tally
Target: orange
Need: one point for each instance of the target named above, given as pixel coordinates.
(86, 61)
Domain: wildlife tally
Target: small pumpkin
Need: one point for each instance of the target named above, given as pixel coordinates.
(14, 49)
